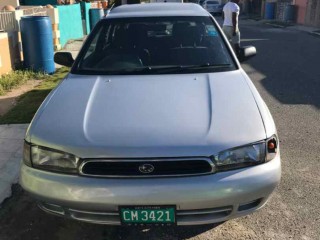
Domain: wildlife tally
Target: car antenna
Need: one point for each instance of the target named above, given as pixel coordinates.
(112, 7)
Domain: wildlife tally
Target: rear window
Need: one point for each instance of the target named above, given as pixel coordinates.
(154, 45)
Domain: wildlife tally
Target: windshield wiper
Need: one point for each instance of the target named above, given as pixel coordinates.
(163, 69)
(208, 65)
(128, 71)
(182, 68)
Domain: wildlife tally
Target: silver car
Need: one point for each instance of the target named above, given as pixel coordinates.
(213, 6)
(157, 123)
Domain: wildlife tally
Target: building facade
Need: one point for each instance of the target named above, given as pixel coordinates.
(307, 12)
(312, 15)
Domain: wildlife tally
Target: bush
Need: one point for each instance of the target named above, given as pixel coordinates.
(16, 78)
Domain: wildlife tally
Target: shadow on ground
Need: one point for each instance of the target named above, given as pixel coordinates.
(6, 104)
(28, 103)
(292, 72)
(23, 112)
(20, 218)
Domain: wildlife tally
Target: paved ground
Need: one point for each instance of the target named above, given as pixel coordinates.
(11, 140)
(286, 72)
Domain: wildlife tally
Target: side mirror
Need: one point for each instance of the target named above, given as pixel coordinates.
(246, 53)
(64, 59)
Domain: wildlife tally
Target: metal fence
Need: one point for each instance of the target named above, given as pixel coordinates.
(7, 21)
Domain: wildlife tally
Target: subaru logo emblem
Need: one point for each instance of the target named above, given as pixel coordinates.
(146, 168)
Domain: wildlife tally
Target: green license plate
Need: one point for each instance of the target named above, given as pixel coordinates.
(136, 215)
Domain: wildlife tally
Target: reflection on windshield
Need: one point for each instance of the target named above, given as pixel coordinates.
(155, 45)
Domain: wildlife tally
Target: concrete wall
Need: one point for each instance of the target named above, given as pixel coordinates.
(11, 43)
(14, 3)
(313, 13)
(5, 59)
(70, 23)
(54, 17)
(9, 51)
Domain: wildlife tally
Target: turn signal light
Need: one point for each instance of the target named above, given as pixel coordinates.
(272, 145)
(272, 148)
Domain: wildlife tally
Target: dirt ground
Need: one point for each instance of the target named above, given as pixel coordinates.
(9, 100)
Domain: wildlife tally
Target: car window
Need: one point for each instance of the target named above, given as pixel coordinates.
(150, 45)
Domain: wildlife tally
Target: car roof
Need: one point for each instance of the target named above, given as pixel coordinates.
(157, 10)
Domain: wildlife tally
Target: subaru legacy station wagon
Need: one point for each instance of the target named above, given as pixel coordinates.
(156, 123)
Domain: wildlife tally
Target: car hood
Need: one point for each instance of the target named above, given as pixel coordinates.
(148, 116)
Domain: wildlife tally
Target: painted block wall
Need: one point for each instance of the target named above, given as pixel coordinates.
(14, 3)
(70, 23)
(313, 13)
(302, 8)
(5, 58)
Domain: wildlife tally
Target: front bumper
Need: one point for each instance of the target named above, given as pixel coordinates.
(199, 200)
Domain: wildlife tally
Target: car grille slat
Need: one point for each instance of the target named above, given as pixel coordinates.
(161, 167)
(183, 217)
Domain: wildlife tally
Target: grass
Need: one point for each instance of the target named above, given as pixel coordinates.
(16, 78)
(29, 102)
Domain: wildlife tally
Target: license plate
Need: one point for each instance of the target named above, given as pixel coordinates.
(141, 215)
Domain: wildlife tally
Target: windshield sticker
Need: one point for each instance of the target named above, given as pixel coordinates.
(211, 31)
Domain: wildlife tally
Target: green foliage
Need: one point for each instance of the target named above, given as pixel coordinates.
(16, 78)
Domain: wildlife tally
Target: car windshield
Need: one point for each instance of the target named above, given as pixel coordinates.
(154, 45)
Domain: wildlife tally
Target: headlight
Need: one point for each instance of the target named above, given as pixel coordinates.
(49, 159)
(27, 154)
(248, 155)
(241, 157)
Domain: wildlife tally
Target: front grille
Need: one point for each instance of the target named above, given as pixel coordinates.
(146, 168)
(188, 216)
